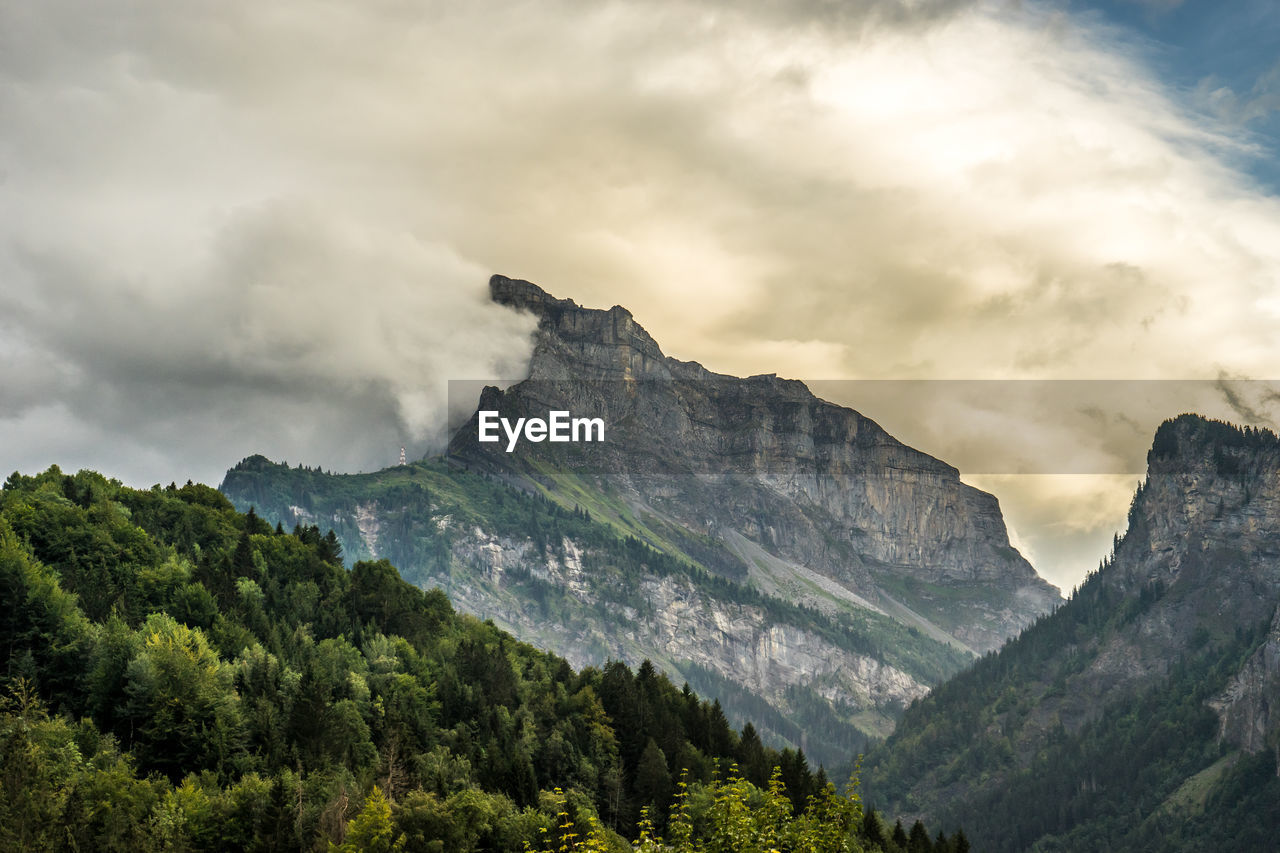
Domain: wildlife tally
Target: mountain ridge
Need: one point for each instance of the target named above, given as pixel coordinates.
(775, 524)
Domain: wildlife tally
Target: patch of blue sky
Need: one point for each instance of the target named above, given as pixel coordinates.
(1222, 58)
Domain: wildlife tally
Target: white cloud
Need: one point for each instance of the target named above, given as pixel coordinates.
(235, 227)
(1063, 545)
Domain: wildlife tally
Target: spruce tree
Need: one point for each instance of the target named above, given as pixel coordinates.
(899, 835)
(918, 841)
(653, 779)
(872, 831)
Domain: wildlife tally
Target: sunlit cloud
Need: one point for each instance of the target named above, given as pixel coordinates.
(234, 227)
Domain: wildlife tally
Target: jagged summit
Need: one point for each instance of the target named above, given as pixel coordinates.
(615, 337)
(521, 294)
(763, 473)
(526, 295)
(579, 343)
(1216, 485)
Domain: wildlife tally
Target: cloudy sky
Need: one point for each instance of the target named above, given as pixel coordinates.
(234, 227)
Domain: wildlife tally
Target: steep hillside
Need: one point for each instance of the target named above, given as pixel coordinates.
(1138, 716)
(563, 580)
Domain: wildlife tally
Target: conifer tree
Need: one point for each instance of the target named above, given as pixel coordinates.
(653, 779)
(899, 835)
(918, 840)
(871, 828)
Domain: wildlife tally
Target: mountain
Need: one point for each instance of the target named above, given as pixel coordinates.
(780, 552)
(1141, 714)
(179, 676)
(769, 481)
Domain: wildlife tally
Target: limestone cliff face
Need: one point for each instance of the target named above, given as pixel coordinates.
(1206, 529)
(814, 484)
(1203, 542)
(1249, 709)
(680, 625)
(1199, 562)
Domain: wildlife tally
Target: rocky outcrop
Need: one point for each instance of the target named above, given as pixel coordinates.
(814, 484)
(1249, 709)
(680, 627)
(681, 624)
(1203, 543)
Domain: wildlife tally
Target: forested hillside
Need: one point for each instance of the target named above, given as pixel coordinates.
(1138, 716)
(179, 676)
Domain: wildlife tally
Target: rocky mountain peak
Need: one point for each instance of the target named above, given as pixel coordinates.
(1202, 528)
(576, 343)
(758, 472)
(1204, 475)
(525, 295)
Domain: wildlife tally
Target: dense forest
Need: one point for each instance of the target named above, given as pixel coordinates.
(180, 676)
